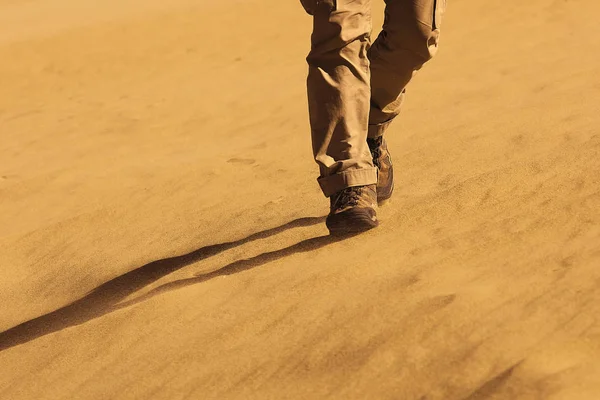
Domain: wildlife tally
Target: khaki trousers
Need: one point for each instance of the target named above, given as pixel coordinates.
(355, 89)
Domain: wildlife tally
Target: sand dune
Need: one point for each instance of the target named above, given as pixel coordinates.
(162, 230)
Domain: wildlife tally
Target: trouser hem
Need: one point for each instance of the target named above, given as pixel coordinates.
(377, 130)
(355, 177)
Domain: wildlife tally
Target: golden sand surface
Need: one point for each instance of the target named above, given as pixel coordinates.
(161, 229)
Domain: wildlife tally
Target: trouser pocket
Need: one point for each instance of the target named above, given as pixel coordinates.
(311, 5)
(439, 7)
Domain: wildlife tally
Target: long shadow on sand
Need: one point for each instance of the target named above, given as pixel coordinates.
(105, 298)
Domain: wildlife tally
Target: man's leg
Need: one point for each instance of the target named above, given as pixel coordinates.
(408, 40)
(339, 93)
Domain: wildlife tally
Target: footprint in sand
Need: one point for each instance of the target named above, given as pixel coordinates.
(245, 161)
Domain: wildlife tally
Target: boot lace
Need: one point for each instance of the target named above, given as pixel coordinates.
(375, 148)
(349, 197)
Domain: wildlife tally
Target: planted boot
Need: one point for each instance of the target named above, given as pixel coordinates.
(353, 209)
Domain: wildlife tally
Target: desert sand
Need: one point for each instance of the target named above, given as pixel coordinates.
(161, 228)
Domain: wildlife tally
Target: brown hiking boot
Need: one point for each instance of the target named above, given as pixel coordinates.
(385, 171)
(353, 209)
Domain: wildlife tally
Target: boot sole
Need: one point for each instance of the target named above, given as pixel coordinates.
(351, 221)
(381, 200)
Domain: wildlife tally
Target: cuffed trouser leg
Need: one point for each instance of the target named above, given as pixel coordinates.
(339, 93)
(408, 40)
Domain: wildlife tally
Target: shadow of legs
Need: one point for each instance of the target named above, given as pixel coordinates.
(105, 297)
(242, 265)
